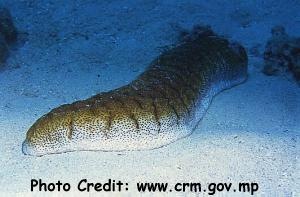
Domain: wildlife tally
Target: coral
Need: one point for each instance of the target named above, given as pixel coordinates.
(282, 53)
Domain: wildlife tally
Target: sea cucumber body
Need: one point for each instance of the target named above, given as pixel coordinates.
(162, 105)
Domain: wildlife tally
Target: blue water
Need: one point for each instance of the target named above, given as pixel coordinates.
(70, 50)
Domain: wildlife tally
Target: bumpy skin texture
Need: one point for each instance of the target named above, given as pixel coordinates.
(162, 105)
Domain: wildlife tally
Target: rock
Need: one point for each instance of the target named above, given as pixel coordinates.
(8, 34)
(7, 28)
(3, 50)
(282, 53)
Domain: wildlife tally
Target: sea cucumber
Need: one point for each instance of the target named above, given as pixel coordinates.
(162, 105)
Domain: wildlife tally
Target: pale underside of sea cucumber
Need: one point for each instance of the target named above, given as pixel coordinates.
(162, 105)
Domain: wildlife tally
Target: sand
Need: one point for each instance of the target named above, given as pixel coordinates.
(70, 50)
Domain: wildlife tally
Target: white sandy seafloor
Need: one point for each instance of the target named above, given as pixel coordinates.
(70, 50)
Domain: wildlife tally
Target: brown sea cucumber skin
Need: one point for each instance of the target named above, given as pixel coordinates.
(162, 105)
